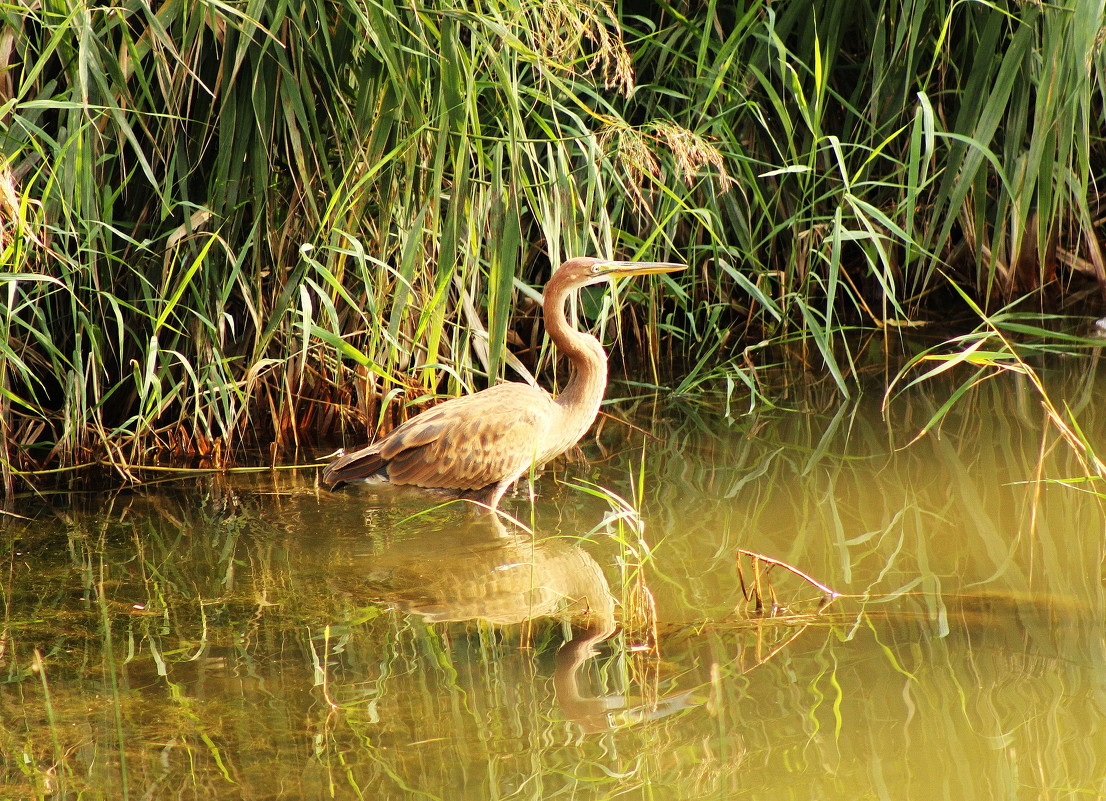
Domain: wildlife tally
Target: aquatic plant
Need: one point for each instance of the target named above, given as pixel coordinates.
(225, 229)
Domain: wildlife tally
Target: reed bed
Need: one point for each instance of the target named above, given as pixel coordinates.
(227, 228)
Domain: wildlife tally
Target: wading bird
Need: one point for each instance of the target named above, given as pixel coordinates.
(479, 445)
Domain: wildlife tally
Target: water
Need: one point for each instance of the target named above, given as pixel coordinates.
(252, 636)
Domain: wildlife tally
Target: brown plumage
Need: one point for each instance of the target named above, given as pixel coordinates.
(481, 444)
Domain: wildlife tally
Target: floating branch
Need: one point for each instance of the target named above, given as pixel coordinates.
(760, 586)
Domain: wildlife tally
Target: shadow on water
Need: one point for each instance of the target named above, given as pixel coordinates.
(254, 637)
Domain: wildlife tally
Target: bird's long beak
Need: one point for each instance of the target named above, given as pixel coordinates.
(626, 269)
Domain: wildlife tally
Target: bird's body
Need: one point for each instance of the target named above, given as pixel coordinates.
(479, 445)
(457, 445)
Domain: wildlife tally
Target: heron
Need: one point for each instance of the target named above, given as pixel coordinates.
(477, 446)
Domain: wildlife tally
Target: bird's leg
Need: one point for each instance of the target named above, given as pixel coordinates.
(497, 493)
(486, 501)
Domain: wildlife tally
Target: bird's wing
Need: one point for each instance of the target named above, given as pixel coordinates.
(471, 442)
(465, 443)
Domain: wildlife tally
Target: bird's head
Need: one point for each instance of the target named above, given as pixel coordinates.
(585, 270)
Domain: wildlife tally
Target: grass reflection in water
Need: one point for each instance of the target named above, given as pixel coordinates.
(249, 637)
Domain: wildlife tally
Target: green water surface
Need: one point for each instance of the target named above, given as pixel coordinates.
(255, 636)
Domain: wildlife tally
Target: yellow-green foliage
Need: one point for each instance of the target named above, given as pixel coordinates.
(227, 224)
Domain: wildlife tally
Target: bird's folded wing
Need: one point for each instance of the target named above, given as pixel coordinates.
(465, 452)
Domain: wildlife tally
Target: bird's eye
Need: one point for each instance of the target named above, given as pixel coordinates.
(595, 269)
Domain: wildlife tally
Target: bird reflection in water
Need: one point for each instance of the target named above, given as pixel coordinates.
(487, 572)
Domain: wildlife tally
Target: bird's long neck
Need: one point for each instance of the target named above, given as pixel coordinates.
(582, 395)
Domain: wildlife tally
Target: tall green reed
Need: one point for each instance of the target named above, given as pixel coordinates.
(228, 229)
(220, 219)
